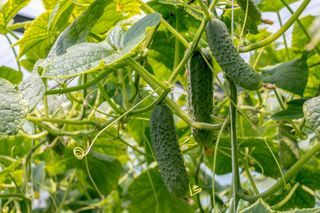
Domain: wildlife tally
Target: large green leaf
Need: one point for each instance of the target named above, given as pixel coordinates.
(315, 34)
(9, 10)
(10, 74)
(80, 28)
(300, 199)
(36, 37)
(309, 175)
(32, 89)
(291, 76)
(293, 111)
(105, 172)
(273, 5)
(260, 156)
(259, 206)
(12, 110)
(86, 57)
(299, 38)
(148, 193)
(311, 112)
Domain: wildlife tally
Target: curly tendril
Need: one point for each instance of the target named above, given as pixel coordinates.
(79, 153)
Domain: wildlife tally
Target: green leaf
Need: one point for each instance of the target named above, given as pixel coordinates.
(311, 112)
(36, 37)
(147, 197)
(32, 89)
(273, 5)
(300, 199)
(260, 156)
(87, 57)
(239, 17)
(59, 16)
(259, 206)
(315, 34)
(10, 9)
(14, 76)
(38, 174)
(12, 110)
(309, 175)
(289, 151)
(312, 88)
(291, 76)
(299, 38)
(105, 171)
(43, 31)
(293, 111)
(77, 32)
(315, 210)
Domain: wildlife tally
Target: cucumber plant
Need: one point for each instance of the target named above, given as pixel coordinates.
(148, 106)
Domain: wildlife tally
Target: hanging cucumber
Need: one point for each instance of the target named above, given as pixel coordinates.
(228, 58)
(167, 152)
(200, 96)
(253, 11)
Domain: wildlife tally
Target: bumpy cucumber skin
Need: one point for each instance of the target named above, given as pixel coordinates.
(200, 96)
(167, 151)
(253, 11)
(228, 58)
(311, 110)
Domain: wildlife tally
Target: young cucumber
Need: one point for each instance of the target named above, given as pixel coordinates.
(200, 96)
(167, 152)
(228, 58)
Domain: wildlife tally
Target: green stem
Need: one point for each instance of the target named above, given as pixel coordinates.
(284, 36)
(80, 87)
(177, 42)
(197, 181)
(14, 52)
(146, 7)
(277, 34)
(287, 197)
(304, 30)
(204, 10)
(19, 25)
(279, 99)
(289, 174)
(64, 121)
(247, 170)
(189, 51)
(234, 146)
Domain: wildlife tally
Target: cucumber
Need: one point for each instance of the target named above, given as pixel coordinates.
(253, 11)
(200, 96)
(228, 58)
(167, 152)
(311, 110)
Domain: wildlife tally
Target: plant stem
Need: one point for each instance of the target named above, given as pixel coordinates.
(304, 30)
(204, 10)
(80, 87)
(189, 51)
(277, 34)
(291, 172)
(234, 146)
(287, 198)
(284, 36)
(14, 52)
(61, 120)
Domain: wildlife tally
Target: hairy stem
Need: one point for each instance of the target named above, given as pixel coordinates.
(234, 146)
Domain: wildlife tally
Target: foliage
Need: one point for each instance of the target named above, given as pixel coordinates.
(75, 132)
